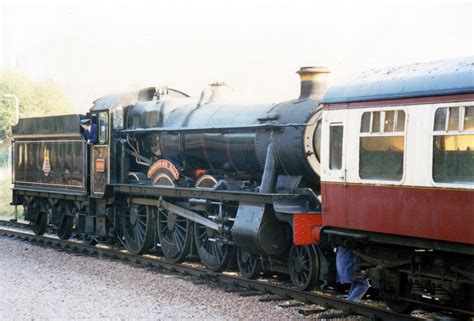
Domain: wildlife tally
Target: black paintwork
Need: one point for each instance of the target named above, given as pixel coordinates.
(38, 126)
(225, 138)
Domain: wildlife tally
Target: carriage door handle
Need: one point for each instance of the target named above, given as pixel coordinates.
(343, 176)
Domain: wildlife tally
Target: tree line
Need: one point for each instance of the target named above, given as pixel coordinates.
(37, 98)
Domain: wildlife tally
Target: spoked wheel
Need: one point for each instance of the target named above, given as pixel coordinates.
(249, 264)
(137, 227)
(38, 220)
(303, 267)
(213, 254)
(66, 221)
(175, 234)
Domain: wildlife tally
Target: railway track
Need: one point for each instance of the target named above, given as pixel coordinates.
(307, 302)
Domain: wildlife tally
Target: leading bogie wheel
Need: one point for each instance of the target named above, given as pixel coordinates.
(249, 264)
(303, 264)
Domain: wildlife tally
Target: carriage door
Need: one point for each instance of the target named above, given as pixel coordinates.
(334, 180)
(100, 163)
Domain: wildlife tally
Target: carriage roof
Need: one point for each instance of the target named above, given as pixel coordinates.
(445, 77)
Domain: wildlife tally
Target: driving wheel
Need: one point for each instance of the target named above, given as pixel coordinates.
(137, 227)
(174, 234)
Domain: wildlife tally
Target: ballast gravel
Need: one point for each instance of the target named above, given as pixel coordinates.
(38, 283)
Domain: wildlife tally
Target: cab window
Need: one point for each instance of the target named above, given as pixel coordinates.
(103, 127)
(453, 145)
(382, 145)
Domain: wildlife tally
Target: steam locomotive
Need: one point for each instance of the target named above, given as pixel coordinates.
(383, 164)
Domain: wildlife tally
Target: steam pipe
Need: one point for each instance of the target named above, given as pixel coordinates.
(270, 170)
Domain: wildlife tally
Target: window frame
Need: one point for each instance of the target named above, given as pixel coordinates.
(447, 132)
(336, 124)
(382, 133)
(99, 129)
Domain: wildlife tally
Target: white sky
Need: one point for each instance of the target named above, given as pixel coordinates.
(93, 48)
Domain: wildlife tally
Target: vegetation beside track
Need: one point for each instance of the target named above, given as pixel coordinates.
(6, 210)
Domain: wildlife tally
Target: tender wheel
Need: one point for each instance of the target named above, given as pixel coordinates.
(64, 230)
(39, 227)
(249, 264)
(137, 227)
(174, 234)
(214, 255)
(38, 220)
(66, 221)
(303, 267)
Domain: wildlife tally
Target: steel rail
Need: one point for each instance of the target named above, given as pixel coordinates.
(326, 300)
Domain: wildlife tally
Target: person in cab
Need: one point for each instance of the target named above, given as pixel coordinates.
(90, 131)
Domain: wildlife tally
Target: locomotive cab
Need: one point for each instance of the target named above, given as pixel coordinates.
(100, 154)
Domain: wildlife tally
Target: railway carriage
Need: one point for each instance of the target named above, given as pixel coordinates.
(398, 180)
(383, 165)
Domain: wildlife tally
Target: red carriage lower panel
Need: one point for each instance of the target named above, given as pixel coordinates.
(442, 214)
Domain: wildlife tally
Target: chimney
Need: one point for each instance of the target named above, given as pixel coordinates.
(313, 82)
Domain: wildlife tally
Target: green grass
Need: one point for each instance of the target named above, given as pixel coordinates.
(6, 210)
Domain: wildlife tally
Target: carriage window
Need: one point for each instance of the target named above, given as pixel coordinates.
(375, 122)
(453, 123)
(389, 121)
(469, 118)
(400, 121)
(335, 146)
(381, 152)
(440, 119)
(365, 124)
(453, 153)
(103, 127)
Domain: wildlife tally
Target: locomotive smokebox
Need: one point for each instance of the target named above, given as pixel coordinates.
(313, 82)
